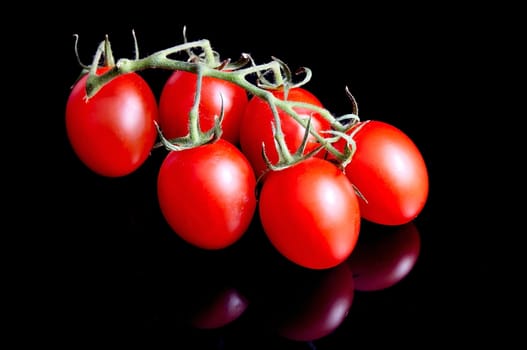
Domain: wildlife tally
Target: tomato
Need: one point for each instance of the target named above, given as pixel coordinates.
(385, 257)
(256, 127)
(113, 132)
(177, 98)
(389, 171)
(207, 194)
(310, 213)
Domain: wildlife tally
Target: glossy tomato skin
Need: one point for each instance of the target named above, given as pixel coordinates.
(113, 132)
(207, 194)
(310, 213)
(390, 172)
(177, 98)
(256, 127)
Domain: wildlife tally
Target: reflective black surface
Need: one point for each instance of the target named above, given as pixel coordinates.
(130, 271)
(108, 265)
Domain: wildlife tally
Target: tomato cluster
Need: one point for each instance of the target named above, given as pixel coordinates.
(224, 139)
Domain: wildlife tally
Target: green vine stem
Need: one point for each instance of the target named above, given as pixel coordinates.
(208, 65)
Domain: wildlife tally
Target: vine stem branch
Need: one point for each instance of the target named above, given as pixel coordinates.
(208, 67)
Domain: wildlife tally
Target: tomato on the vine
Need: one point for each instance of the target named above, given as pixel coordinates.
(256, 127)
(177, 99)
(112, 132)
(388, 169)
(310, 213)
(207, 194)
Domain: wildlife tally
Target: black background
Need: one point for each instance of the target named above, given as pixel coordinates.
(100, 260)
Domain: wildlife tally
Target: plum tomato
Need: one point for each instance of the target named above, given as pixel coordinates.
(207, 194)
(310, 213)
(177, 99)
(389, 171)
(256, 127)
(113, 132)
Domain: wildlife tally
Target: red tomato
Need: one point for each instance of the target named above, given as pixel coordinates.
(113, 132)
(389, 171)
(386, 257)
(310, 213)
(256, 127)
(177, 98)
(207, 194)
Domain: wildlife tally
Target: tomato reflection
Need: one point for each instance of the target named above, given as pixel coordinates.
(195, 288)
(384, 256)
(224, 306)
(310, 305)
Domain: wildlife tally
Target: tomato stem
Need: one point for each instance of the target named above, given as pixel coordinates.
(194, 130)
(207, 64)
